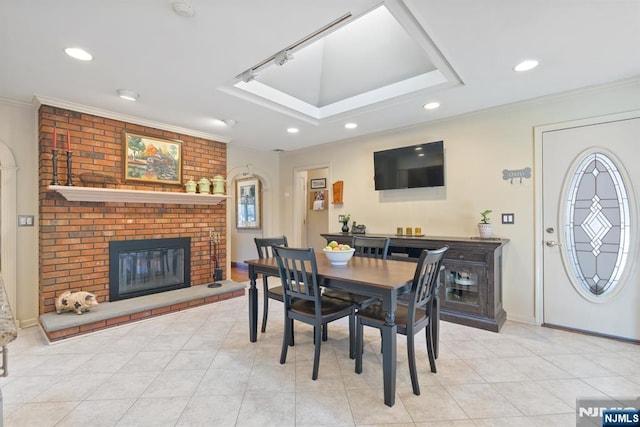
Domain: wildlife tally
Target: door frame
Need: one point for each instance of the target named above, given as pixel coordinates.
(538, 202)
(300, 201)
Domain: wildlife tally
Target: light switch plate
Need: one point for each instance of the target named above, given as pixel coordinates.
(25, 220)
(508, 218)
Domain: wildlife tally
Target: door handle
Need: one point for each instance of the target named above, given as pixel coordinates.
(551, 243)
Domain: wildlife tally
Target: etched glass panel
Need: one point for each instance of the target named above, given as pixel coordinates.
(597, 228)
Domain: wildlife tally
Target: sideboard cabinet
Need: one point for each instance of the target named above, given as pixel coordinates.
(470, 290)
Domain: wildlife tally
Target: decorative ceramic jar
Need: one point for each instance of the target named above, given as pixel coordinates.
(190, 186)
(218, 182)
(203, 186)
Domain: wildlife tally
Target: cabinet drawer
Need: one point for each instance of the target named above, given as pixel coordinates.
(454, 255)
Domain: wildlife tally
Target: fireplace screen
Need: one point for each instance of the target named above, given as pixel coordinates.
(142, 267)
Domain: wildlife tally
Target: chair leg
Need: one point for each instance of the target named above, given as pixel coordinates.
(325, 332)
(286, 338)
(359, 346)
(430, 348)
(291, 341)
(352, 336)
(265, 304)
(317, 332)
(411, 355)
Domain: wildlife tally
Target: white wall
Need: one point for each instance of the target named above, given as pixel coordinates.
(18, 123)
(478, 147)
(263, 165)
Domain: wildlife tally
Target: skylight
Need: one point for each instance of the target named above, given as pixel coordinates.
(370, 59)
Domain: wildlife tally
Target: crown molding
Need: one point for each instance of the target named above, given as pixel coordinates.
(43, 100)
(15, 103)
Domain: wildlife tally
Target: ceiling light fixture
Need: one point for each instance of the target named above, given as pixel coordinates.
(350, 125)
(293, 130)
(248, 75)
(287, 53)
(183, 9)
(527, 65)
(282, 57)
(129, 95)
(431, 105)
(78, 53)
(224, 122)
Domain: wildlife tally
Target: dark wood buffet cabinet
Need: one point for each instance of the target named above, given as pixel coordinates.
(471, 283)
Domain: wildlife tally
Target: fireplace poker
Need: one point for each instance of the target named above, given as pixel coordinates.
(213, 269)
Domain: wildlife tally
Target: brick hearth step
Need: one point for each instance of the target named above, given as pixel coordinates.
(108, 314)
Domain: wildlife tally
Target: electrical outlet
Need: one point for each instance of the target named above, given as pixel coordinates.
(340, 218)
(508, 218)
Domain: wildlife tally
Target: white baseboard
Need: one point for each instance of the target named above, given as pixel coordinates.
(529, 320)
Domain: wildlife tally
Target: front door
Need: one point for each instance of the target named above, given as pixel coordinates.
(590, 220)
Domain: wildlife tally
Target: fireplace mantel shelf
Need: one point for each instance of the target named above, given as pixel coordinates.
(93, 194)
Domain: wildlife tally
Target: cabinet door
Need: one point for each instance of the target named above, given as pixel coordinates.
(463, 287)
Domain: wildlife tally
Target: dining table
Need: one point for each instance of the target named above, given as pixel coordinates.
(383, 279)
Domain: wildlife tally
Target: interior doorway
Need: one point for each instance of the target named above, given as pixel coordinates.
(311, 214)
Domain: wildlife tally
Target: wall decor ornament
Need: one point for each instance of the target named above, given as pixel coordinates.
(510, 175)
(248, 204)
(152, 159)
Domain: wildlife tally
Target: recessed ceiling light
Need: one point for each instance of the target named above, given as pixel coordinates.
(293, 130)
(431, 105)
(183, 8)
(79, 54)
(224, 123)
(527, 65)
(129, 95)
(350, 125)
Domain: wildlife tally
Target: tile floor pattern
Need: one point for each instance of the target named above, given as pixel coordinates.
(198, 368)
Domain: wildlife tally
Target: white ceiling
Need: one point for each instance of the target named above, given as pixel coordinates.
(184, 68)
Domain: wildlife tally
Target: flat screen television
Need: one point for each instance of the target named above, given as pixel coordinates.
(415, 166)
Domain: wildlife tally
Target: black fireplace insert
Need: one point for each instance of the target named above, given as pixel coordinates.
(149, 266)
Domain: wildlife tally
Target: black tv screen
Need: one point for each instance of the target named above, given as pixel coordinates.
(416, 166)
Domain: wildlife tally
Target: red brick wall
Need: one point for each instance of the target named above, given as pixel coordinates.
(74, 236)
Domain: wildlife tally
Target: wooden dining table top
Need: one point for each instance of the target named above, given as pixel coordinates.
(370, 272)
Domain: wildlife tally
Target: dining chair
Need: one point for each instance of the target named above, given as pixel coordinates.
(412, 318)
(264, 245)
(303, 299)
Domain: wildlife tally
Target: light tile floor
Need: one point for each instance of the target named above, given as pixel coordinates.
(198, 368)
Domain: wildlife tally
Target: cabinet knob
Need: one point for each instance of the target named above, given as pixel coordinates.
(461, 256)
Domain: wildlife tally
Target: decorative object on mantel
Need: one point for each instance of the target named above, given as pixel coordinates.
(75, 301)
(54, 180)
(190, 186)
(338, 186)
(97, 179)
(204, 185)
(69, 173)
(345, 223)
(217, 183)
(484, 227)
(515, 174)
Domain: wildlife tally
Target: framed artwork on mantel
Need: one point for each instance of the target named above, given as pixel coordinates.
(152, 159)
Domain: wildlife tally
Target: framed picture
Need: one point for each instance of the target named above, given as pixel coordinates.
(318, 183)
(318, 200)
(152, 159)
(248, 203)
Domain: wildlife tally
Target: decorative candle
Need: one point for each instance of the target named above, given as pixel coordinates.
(68, 141)
(55, 137)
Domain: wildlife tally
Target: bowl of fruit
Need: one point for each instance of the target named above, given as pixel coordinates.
(338, 253)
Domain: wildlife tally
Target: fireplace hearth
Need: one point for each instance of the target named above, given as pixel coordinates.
(143, 267)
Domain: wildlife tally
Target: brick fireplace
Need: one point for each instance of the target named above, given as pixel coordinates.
(75, 235)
